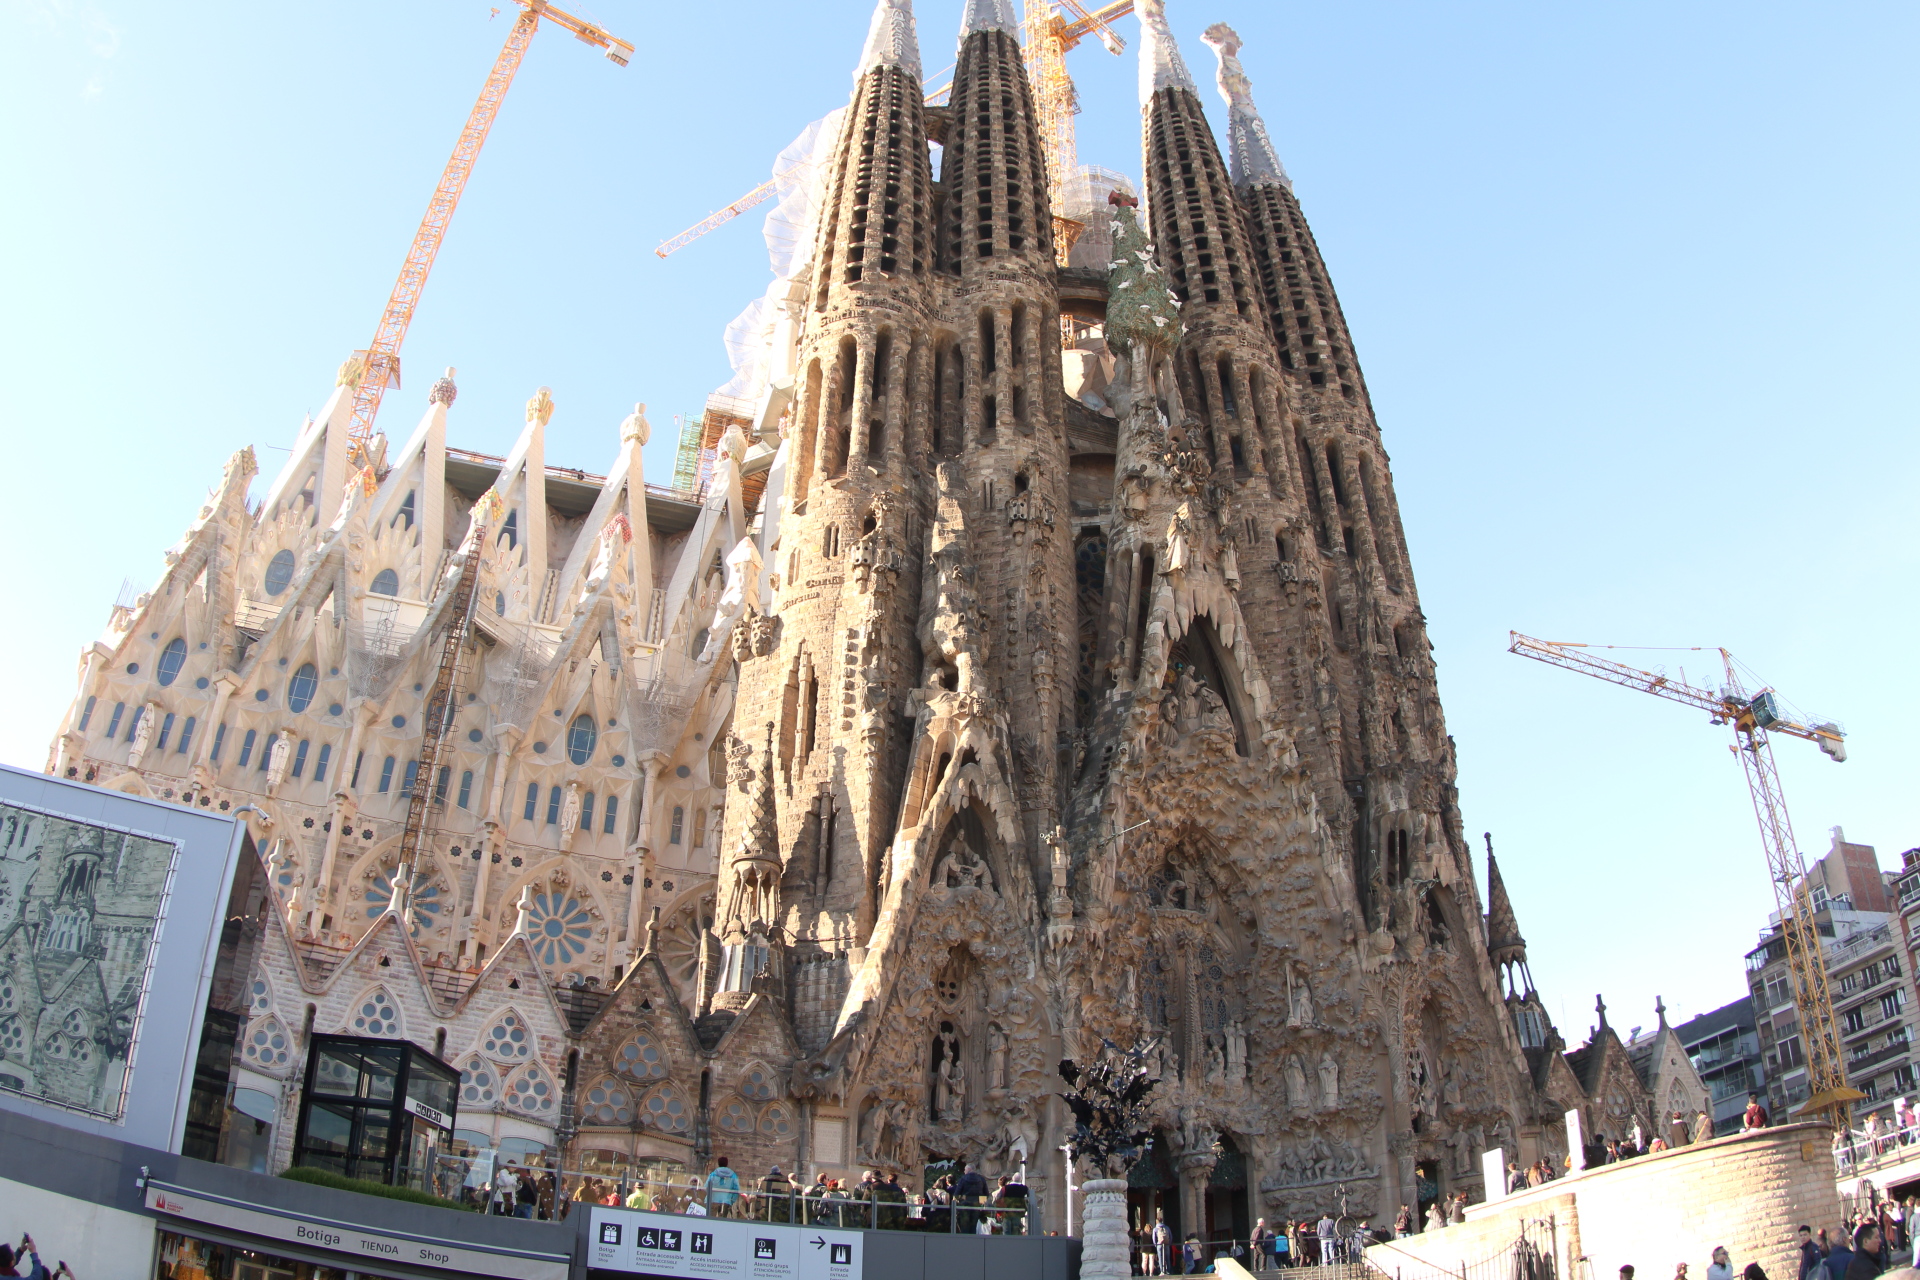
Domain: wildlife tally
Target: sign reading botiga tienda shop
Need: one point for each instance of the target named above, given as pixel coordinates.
(665, 1244)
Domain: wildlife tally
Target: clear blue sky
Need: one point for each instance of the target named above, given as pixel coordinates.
(1633, 287)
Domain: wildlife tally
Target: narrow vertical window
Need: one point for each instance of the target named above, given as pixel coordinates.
(320, 765)
(440, 784)
(553, 806)
(133, 724)
(613, 814)
(166, 730)
(358, 758)
(466, 788)
(186, 736)
(300, 758)
(679, 819)
(586, 812)
(411, 776)
(219, 740)
(86, 712)
(266, 751)
(113, 725)
(386, 775)
(246, 749)
(533, 799)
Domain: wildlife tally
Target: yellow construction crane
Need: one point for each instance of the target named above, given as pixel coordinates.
(1754, 718)
(379, 363)
(1050, 35)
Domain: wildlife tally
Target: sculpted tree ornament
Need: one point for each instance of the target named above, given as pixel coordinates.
(1109, 1100)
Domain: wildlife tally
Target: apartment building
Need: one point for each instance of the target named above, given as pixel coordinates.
(1724, 1046)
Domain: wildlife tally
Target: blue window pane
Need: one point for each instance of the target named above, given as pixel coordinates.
(679, 820)
(358, 757)
(113, 725)
(500, 603)
(246, 749)
(219, 740)
(510, 531)
(301, 687)
(166, 729)
(533, 799)
(172, 658)
(407, 781)
(586, 812)
(386, 776)
(279, 573)
(613, 812)
(553, 807)
(133, 725)
(186, 736)
(404, 513)
(86, 712)
(440, 783)
(385, 583)
(300, 758)
(266, 751)
(320, 765)
(580, 739)
(466, 787)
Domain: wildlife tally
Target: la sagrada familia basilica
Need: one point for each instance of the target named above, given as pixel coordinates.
(1039, 666)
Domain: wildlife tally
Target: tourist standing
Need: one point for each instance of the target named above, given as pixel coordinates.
(1868, 1259)
(1162, 1242)
(1812, 1257)
(1259, 1244)
(1702, 1126)
(1721, 1268)
(1677, 1131)
(723, 1188)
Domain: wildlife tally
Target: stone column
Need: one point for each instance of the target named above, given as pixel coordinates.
(1195, 1168)
(1104, 1251)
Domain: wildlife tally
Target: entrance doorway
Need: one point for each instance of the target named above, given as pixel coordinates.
(1426, 1184)
(1228, 1220)
(1153, 1194)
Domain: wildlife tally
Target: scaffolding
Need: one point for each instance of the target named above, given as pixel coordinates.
(686, 460)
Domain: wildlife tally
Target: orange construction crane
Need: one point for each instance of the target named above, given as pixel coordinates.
(379, 363)
(1754, 717)
(1049, 37)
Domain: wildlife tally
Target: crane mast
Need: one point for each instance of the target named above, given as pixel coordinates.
(1753, 718)
(372, 368)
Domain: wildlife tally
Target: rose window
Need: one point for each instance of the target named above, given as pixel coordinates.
(13, 1038)
(758, 1084)
(260, 996)
(508, 1039)
(427, 904)
(267, 1045)
(376, 1016)
(558, 928)
(477, 1083)
(532, 1092)
(6, 994)
(666, 1110)
(775, 1122)
(736, 1117)
(608, 1102)
(640, 1058)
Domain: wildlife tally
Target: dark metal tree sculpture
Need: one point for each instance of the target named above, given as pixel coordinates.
(1109, 1103)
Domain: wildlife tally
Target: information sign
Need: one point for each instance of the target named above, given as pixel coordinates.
(665, 1244)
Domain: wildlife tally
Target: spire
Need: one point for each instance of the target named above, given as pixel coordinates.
(890, 40)
(1504, 943)
(1160, 64)
(1250, 150)
(988, 15)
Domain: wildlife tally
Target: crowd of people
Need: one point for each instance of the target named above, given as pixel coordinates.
(965, 1202)
(1878, 1137)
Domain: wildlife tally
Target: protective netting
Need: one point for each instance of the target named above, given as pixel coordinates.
(789, 232)
(1085, 201)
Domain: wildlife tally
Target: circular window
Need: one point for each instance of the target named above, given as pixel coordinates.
(581, 739)
(377, 1016)
(736, 1118)
(385, 583)
(683, 772)
(399, 722)
(558, 928)
(476, 1082)
(474, 735)
(539, 748)
(301, 686)
(202, 683)
(618, 760)
(172, 658)
(279, 573)
(757, 1084)
(608, 1103)
(640, 1058)
(334, 709)
(508, 1039)
(13, 1038)
(775, 1122)
(665, 1109)
(267, 1045)
(531, 1091)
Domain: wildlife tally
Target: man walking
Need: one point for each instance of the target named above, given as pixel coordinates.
(1811, 1258)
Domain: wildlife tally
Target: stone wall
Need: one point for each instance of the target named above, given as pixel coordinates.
(1747, 1192)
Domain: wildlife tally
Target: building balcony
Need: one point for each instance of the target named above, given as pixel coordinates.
(1868, 1061)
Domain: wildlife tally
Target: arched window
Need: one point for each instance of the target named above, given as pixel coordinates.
(86, 712)
(113, 725)
(279, 573)
(533, 799)
(613, 813)
(166, 728)
(300, 758)
(301, 687)
(466, 787)
(386, 771)
(385, 583)
(266, 751)
(553, 807)
(172, 658)
(510, 531)
(581, 738)
(186, 736)
(319, 766)
(586, 813)
(404, 513)
(246, 750)
(679, 820)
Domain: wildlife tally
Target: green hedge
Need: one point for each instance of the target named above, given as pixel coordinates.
(322, 1178)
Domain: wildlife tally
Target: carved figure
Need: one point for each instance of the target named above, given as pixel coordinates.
(143, 734)
(996, 1057)
(1236, 1050)
(1296, 1073)
(1179, 547)
(1329, 1082)
(277, 760)
(1299, 998)
(570, 811)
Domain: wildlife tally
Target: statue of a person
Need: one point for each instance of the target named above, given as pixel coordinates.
(1179, 549)
(570, 811)
(277, 760)
(996, 1057)
(1299, 998)
(1296, 1074)
(1329, 1082)
(143, 734)
(1236, 1050)
(1216, 1059)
